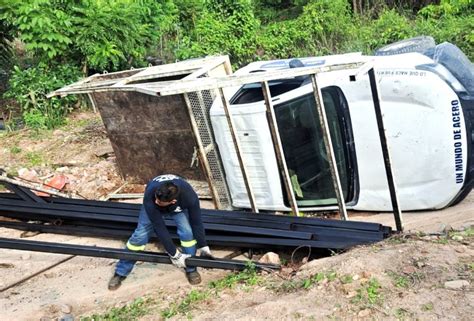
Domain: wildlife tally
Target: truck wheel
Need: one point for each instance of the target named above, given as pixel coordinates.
(416, 44)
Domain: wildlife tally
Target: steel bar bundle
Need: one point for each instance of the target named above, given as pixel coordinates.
(228, 228)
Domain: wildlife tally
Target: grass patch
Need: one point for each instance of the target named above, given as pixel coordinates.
(469, 232)
(399, 280)
(186, 305)
(427, 307)
(369, 294)
(346, 279)
(15, 150)
(402, 314)
(34, 159)
(132, 311)
(305, 284)
(248, 278)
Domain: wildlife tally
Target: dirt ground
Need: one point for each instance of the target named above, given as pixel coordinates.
(425, 274)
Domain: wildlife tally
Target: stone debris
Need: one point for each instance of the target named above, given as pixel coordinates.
(456, 284)
(270, 258)
(66, 308)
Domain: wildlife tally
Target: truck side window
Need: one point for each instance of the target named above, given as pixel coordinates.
(304, 149)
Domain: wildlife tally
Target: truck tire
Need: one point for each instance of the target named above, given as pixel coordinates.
(416, 44)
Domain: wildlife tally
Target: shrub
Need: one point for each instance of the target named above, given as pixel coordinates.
(29, 88)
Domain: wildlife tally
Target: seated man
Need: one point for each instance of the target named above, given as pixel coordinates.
(172, 197)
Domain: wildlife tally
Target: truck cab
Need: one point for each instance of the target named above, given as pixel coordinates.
(428, 110)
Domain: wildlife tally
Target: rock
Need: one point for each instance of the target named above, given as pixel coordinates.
(27, 174)
(270, 258)
(457, 238)
(103, 151)
(26, 256)
(66, 308)
(408, 269)
(364, 313)
(7, 265)
(445, 228)
(45, 318)
(456, 284)
(351, 294)
(67, 317)
(366, 275)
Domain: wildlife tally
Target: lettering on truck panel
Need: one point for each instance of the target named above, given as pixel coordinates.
(400, 72)
(457, 135)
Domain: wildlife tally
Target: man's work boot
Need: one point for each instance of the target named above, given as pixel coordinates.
(193, 277)
(115, 282)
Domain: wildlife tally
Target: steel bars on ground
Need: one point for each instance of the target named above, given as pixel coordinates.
(111, 253)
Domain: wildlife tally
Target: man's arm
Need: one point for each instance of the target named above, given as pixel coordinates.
(158, 223)
(195, 220)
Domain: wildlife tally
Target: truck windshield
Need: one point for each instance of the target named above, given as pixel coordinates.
(305, 153)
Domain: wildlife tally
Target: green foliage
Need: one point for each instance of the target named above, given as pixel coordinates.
(98, 35)
(5, 43)
(369, 294)
(34, 159)
(399, 280)
(307, 283)
(15, 150)
(225, 27)
(185, 306)
(325, 25)
(133, 311)
(248, 277)
(29, 88)
(451, 21)
(112, 35)
(103, 35)
(427, 307)
(43, 27)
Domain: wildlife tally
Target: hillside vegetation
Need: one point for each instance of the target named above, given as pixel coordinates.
(46, 44)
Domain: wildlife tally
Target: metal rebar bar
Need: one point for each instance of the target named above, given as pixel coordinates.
(279, 153)
(112, 253)
(321, 110)
(397, 213)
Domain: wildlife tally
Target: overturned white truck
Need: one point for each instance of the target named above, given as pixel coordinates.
(427, 100)
(428, 108)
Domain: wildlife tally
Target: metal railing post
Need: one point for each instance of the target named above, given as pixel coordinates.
(280, 156)
(236, 141)
(318, 97)
(397, 213)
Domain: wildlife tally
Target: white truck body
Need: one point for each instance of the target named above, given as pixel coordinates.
(429, 139)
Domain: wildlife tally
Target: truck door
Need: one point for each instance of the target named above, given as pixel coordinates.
(305, 153)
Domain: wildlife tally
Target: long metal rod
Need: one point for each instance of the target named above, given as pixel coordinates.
(31, 186)
(397, 213)
(238, 150)
(318, 97)
(18, 191)
(26, 278)
(111, 253)
(202, 154)
(280, 156)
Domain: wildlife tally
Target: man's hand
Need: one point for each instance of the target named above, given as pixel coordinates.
(205, 252)
(179, 259)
